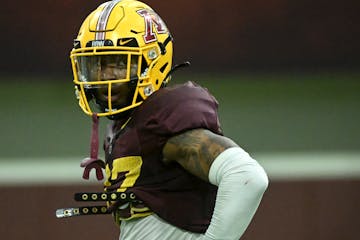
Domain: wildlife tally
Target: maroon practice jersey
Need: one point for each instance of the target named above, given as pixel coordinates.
(134, 157)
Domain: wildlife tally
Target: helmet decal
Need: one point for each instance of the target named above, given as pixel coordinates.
(103, 19)
(151, 19)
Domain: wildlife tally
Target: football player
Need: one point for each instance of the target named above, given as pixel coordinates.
(164, 145)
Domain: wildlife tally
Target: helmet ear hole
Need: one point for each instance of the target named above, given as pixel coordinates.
(162, 69)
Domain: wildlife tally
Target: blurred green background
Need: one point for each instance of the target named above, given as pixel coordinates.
(262, 112)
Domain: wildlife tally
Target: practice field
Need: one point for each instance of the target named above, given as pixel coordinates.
(264, 113)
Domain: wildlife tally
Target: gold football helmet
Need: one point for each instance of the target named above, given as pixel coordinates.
(122, 54)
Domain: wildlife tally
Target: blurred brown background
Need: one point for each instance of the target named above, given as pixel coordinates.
(215, 35)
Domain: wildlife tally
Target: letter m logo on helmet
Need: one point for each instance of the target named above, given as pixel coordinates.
(152, 20)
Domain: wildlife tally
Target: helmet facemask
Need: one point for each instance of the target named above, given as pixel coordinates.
(122, 54)
(107, 80)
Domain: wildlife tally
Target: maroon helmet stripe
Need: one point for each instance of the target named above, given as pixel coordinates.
(104, 18)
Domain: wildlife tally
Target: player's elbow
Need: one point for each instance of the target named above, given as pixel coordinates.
(257, 179)
(236, 166)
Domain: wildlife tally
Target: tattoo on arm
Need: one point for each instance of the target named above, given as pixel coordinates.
(195, 150)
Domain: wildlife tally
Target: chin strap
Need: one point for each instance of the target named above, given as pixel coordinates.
(93, 161)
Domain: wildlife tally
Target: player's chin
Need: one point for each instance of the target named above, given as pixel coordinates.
(119, 94)
(117, 102)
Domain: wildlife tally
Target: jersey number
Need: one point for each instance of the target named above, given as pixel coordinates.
(125, 171)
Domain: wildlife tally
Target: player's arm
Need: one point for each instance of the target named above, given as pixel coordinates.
(240, 179)
(195, 150)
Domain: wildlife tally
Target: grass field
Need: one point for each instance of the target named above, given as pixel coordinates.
(262, 112)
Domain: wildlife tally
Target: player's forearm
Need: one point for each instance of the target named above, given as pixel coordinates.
(242, 182)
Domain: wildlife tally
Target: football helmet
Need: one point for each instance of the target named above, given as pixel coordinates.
(122, 54)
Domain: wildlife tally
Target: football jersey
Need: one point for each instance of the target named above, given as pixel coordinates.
(133, 151)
